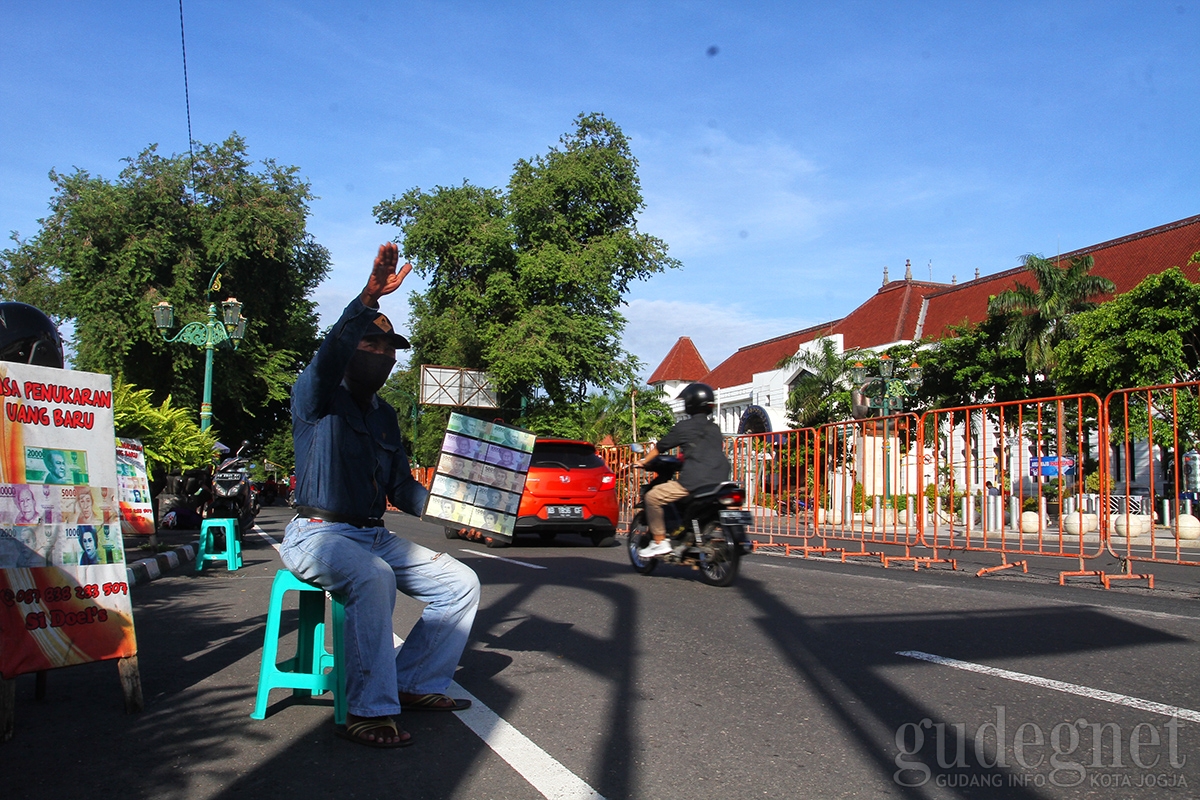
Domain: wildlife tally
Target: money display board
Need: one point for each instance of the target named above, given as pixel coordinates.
(63, 594)
(133, 488)
(480, 476)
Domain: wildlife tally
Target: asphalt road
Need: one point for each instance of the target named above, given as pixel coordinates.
(805, 679)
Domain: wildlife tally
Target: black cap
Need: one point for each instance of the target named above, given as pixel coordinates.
(381, 328)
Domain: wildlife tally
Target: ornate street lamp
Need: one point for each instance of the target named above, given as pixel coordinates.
(210, 334)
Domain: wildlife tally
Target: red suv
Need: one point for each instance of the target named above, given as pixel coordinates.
(568, 490)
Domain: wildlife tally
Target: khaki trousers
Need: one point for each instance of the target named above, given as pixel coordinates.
(658, 497)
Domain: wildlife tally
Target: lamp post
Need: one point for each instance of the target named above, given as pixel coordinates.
(210, 334)
(886, 392)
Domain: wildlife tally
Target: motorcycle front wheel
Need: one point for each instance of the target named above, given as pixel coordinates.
(719, 558)
(639, 537)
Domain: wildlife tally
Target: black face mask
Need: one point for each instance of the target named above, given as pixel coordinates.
(367, 373)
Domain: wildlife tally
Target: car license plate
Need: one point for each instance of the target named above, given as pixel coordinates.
(737, 518)
(564, 512)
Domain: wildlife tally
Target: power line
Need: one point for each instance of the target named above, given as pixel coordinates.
(187, 102)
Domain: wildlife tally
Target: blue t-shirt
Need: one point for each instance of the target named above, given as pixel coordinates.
(348, 461)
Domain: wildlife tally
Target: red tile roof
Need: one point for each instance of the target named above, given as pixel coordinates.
(740, 367)
(1125, 262)
(892, 313)
(682, 363)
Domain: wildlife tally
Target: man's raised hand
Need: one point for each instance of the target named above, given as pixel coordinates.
(384, 278)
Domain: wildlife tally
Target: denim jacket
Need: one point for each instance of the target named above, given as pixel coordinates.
(348, 461)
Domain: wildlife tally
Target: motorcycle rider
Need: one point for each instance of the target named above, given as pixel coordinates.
(704, 462)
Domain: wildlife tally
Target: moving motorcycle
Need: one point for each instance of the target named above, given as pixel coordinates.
(233, 493)
(706, 529)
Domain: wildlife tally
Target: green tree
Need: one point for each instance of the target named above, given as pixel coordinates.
(820, 394)
(421, 427)
(278, 449)
(170, 435)
(1150, 335)
(973, 364)
(110, 250)
(1044, 310)
(1146, 337)
(526, 284)
(606, 415)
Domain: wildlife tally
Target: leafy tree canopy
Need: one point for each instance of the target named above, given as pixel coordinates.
(820, 393)
(110, 250)
(609, 415)
(1044, 311)
(974, 364)
(526, 284)
(170, 435)
(1150, 335)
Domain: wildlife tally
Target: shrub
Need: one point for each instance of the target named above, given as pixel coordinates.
(859, 498)
(170, 435)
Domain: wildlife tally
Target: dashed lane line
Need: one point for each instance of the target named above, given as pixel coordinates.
(502, 558)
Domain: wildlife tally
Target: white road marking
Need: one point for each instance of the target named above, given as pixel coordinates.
(550, 778)
(1058, 686)
(502, 558)
(534, 764)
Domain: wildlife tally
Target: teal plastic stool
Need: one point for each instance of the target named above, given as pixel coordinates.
(231, 555)
(306, 672)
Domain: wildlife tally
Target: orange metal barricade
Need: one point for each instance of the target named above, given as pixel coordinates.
(1153, 477)
(776, 469)
(622, 461)
(1060, 477)
(1008, 478)
(860, 493)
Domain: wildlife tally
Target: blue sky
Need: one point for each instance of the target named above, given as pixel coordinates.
(788, 151)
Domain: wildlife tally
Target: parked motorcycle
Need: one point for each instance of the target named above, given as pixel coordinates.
(268, 492)
(706, 529)
(233, 493)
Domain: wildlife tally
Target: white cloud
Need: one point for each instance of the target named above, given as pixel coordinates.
(717, 330)
(711, 191)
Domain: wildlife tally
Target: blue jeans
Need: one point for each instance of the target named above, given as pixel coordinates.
(367, 566)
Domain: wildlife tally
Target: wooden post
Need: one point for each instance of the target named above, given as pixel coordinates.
(131, 684)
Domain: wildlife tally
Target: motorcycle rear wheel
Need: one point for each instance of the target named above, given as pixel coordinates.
(639, 537)
(719, 560)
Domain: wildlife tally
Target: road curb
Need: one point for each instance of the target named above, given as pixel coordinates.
(145, 570)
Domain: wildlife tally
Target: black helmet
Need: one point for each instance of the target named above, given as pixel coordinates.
(27, 336)
(697, 399)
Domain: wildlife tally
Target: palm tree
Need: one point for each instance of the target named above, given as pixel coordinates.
(1045, 312)
(821, 393)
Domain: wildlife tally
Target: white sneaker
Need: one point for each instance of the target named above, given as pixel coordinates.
(655, 549)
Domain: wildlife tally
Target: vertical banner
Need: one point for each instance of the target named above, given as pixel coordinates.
(63, 594)
(480, 476)
(133, 488)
